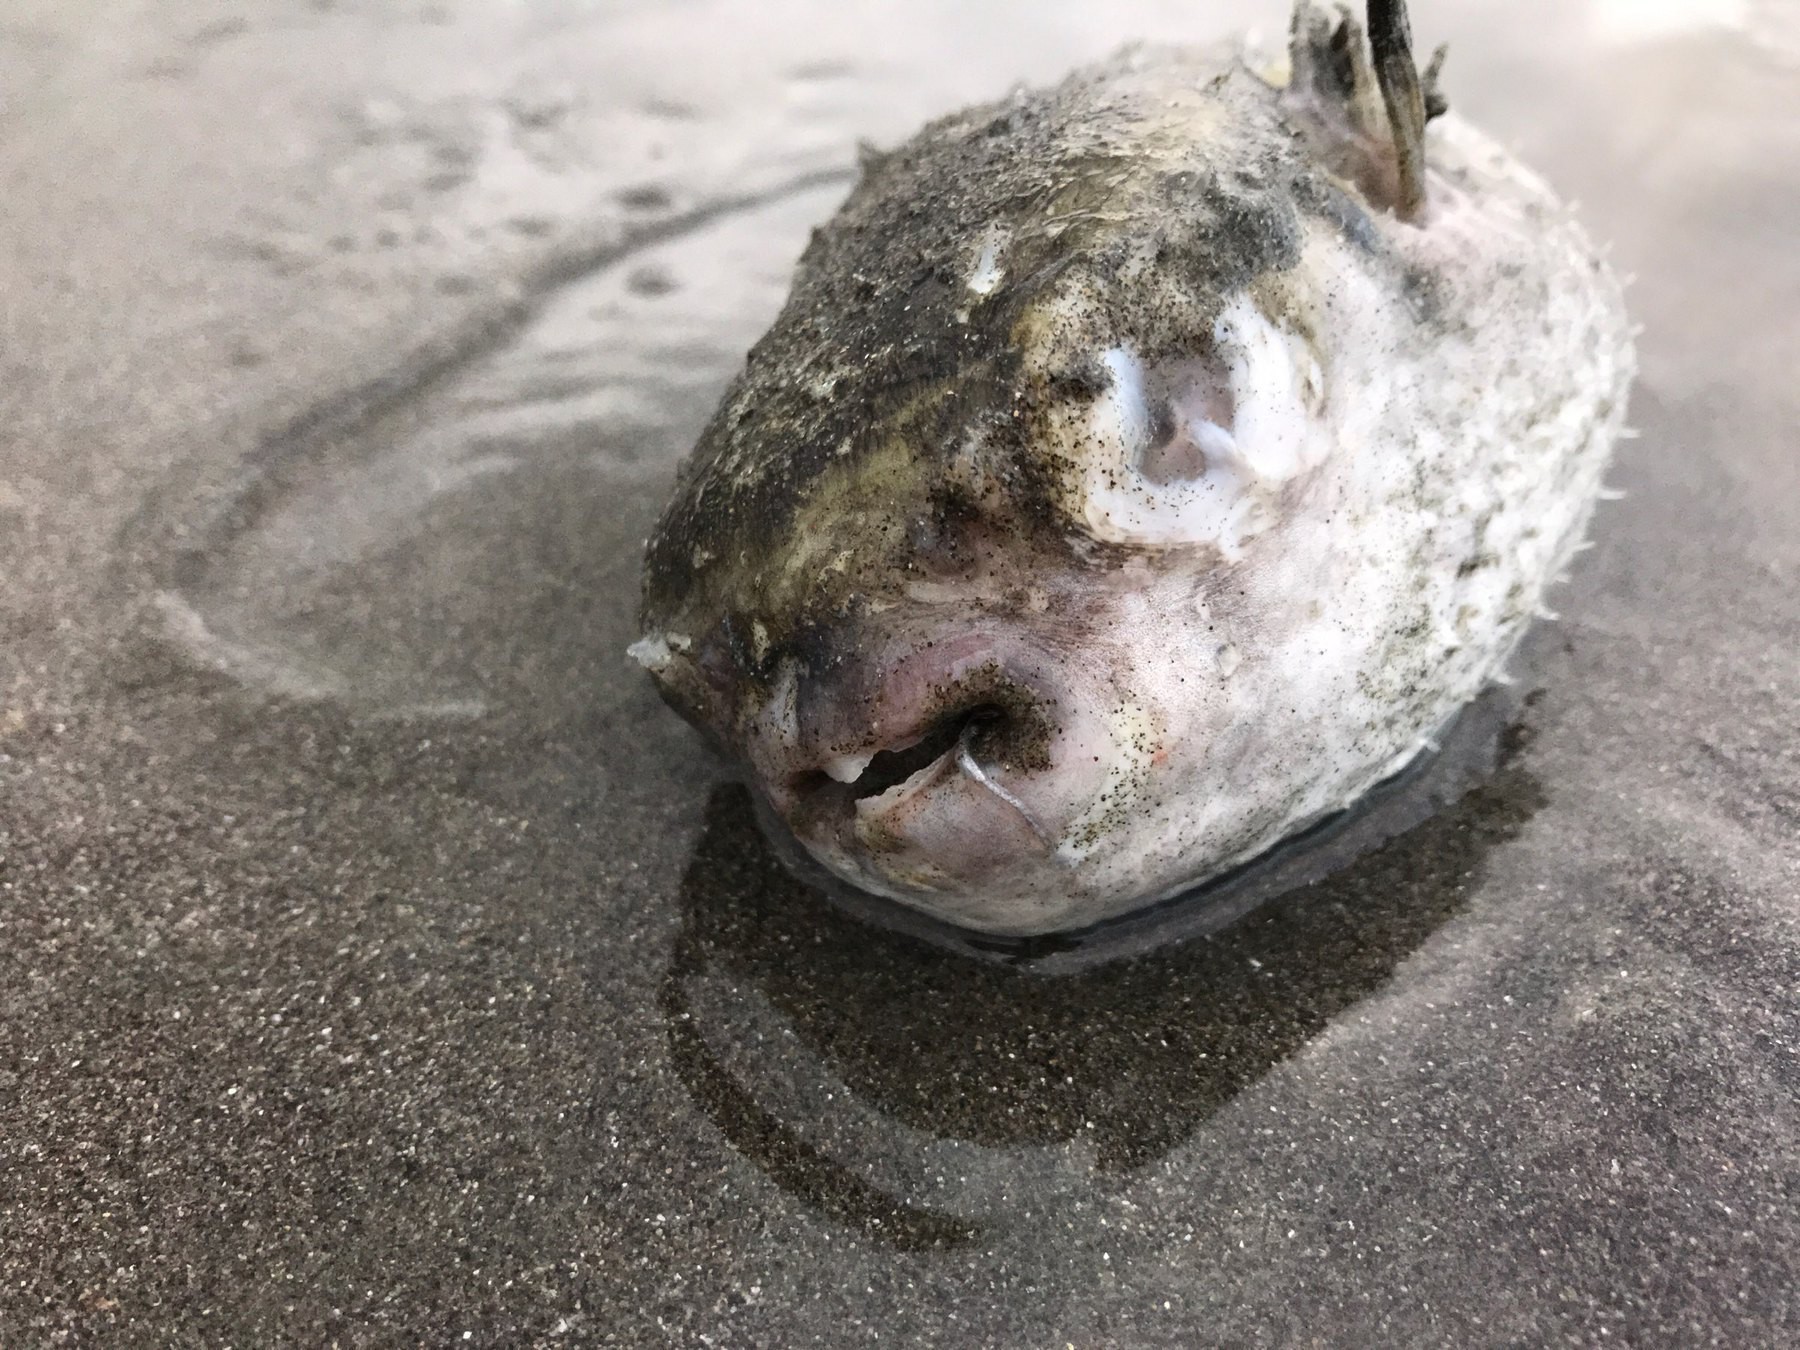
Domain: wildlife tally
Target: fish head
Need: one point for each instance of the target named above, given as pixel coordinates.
(1037, 565)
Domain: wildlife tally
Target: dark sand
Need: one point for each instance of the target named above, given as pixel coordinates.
(380, 964)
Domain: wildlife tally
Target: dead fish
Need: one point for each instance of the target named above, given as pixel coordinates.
(1141, 469)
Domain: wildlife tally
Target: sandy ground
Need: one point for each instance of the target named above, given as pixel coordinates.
(379, 963)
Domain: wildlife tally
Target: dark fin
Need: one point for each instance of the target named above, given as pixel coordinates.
(1328, 61)
(1365, 106)
(1331, 69)
(870, 157)
(1436, 105)
(1390, 39)
(1351, 58)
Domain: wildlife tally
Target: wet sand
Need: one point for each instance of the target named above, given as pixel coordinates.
(381, 964)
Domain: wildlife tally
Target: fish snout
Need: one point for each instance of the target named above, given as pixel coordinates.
(945, 773)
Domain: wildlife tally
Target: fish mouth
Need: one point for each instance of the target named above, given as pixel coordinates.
(944, 779)
(853, 800)
(871, 774)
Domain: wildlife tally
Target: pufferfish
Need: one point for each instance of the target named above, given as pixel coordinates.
(1141, 469)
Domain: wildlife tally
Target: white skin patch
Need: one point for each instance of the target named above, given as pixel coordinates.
(783, 711)
(1135, 739)
(657, 650)
(988, 271)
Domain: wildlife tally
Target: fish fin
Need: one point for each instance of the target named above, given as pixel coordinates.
(1390, 39)
(1367, 103)
(1330, 66)
(1309, 53)
(1436, 105)
(871, 158)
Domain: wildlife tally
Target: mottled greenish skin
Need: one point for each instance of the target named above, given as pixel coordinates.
(825, 476)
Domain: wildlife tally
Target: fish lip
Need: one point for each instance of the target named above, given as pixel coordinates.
(825, 776)
(944, 749)
(912, 763)
(827, 723)
(867, 838)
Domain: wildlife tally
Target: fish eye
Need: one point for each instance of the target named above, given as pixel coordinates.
(1190, 449)
(1191, 413)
